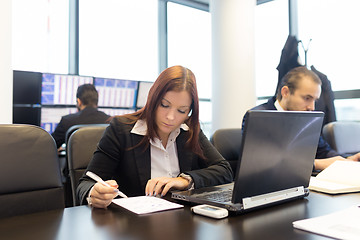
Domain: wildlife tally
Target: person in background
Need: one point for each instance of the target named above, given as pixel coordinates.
(86, 103)
(298, 91)
(156, 149)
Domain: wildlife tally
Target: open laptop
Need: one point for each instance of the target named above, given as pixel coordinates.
(276, 159)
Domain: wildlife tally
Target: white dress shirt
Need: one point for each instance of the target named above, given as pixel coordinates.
(278, 106)
(164, 161)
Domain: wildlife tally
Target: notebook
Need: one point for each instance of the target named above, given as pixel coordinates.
(276, 159)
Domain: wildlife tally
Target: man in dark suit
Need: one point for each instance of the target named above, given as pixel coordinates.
(298, 91)
(86, 102)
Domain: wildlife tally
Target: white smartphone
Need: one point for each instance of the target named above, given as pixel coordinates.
(210, 211)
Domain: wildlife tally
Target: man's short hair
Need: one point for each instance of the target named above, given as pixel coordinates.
(292, 78)
(88, 95)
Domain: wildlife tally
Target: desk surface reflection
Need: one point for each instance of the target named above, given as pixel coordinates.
(84, 222)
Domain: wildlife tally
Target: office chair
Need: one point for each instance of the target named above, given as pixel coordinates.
(80, 148)
(64, 163)
(228, 141)
(30, 178)
(76, 127)
(343, 136)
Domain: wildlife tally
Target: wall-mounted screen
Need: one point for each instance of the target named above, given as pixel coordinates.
(116, 92)
(61, 89)
(143, 91)
(26, 115)
(51, 116)
(116, 111)
(26, 87)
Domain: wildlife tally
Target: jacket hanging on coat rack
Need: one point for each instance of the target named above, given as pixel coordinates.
(289, 60)
(326, 100)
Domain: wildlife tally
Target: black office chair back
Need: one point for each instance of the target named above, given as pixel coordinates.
(342, 136)
(228, 142)
(30, 179)
(76, 127)
(68, 133)
(81, 146)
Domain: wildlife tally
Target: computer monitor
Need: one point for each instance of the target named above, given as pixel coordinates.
(116, 111)
(143, 92)
(116, 92)
(26, 87)
(26, 115)
(51, 116)
(61, 88)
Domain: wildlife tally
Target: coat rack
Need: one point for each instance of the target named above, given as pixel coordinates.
(305, 50)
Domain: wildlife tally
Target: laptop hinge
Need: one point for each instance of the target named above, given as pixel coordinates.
(251, 202)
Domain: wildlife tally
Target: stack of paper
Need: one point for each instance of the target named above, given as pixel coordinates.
(339, 177)
(342, 225)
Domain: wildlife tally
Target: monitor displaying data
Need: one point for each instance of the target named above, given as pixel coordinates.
(51, 116)
(116, 92)
(116, 111)
(61, 88)
(143, 92)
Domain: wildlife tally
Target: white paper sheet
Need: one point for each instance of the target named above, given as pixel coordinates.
(144, 204)
(341, 225)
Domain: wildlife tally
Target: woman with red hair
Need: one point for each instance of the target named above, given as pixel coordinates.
(158, 148)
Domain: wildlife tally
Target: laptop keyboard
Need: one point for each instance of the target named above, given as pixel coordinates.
(218, 196)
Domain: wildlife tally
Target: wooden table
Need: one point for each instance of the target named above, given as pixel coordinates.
(117, 223)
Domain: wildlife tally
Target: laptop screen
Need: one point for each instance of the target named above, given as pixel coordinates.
(277, 151)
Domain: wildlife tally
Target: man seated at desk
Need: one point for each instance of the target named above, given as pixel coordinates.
(298, 91)
(86, 103)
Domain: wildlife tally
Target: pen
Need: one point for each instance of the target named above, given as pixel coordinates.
(99, 180)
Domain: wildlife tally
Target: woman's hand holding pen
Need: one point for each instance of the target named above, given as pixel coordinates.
(161, 185)
(101, 196)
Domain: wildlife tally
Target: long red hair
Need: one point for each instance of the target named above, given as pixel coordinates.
(176, 78)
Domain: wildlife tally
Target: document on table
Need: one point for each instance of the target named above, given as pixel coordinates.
(339, 177)
(341, 225)
(145, 204)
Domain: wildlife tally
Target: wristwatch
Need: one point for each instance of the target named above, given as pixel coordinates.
(88, 199)
(189, 178)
